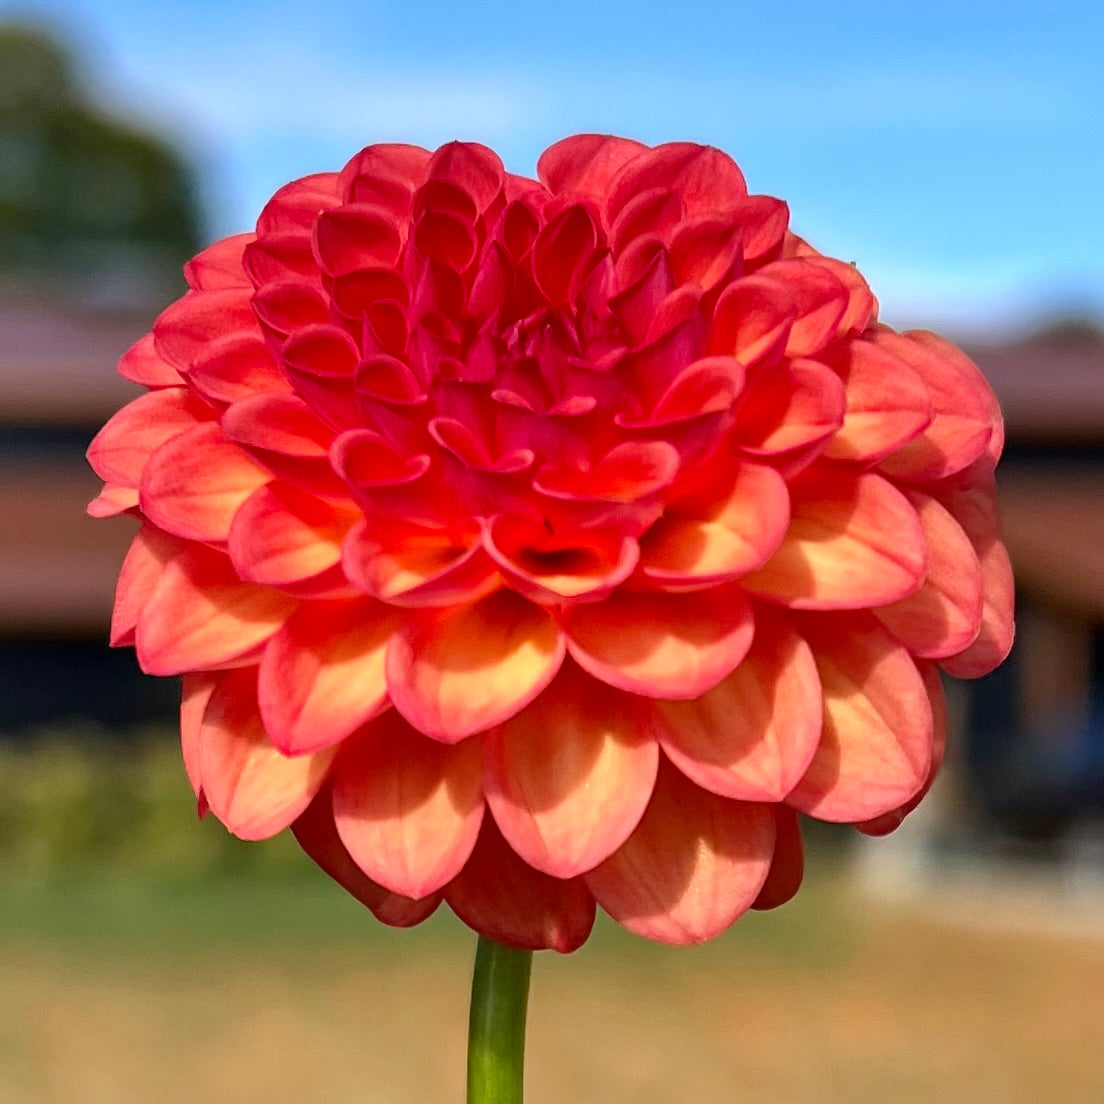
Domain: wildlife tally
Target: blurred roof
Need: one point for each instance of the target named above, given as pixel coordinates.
(57, 366)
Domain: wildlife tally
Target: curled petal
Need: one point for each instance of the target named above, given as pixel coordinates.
(752, 320)
(505, 899)
(295, 207)
(854, 541)
(753, 735)
(944, 616)
(876, 749)
(200, 615)
(234, 368)
(694, 865)
(568, 777)
(316, 834)
(455, 672)
(819, 299)
(407, 808)
(141, 364)
(250, 786)
(585, 564)
(183, 331)
(627, 473)
(356, 236)
(195, 483)
(661, 645)
(322, 675)
(701, 542)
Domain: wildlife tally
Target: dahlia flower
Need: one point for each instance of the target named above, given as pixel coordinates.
(532, 544)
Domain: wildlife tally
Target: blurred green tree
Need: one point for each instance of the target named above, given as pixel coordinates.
(83, 196)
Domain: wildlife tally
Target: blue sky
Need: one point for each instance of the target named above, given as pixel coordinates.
(953, 150)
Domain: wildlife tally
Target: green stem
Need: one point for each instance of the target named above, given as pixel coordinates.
(496, 1026)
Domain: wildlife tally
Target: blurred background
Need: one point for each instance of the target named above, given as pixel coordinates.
(954, 152)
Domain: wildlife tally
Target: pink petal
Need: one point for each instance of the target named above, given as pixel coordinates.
(702, 542)
(694, 865)
(219, 265)
(661, 645)
(194, 483)
(356, 236)
(455, 672)
(408, 808)
(200, 615)
(568, 777)
(503, 898)
(294, 208)
(585, 163)
(944, 616)
(316, 833)
(322, 673)
(385, 175)
(876, 749)
(753, 735)
(251, 787)
(281, 424)
(183, 330)
(235, 367)
(141, 364)
(887, 402)
(854, 541)
(120, 451)
(626, 473)
(820, 300)
(752, 320)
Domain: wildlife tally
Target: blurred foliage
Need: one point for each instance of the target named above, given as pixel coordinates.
(74, 803)
(82, 193)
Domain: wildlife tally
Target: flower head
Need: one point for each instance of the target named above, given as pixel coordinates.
(527, 544)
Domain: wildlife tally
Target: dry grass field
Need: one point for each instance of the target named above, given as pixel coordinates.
(263, 991)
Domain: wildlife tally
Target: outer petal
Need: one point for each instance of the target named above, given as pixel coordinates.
(183, 329)
(194, 484)
(322, 674)
(149, 552)
(219, 265)
(854, 541)
(253, 789)
(456, 672)
(695, 863)
(876, 749)
(943, 617)
(585, 163)
(200, 615)
(752, 736)
(798, 404)
(196, 692)
(141, 364)
(661, 645)
(567, 778)
(408, 808)
(504, 899)
(316, 833)
(787, 864)
(699, 542)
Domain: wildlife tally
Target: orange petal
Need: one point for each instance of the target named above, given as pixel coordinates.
(120, 451)
(194, 484)
(701, 542)
(788, 863)
(282, 535)
(876, 749)
(456, 672)
(887, 402)
(149, 552)
(112, 501)
(201, 616)
(141, 364)
(854, 541)
(820, 300)
(322, 674)
(797, 404)
(752, 736)
(661, 645)
(695, 863)
(183, 330)
(196, 692)
(567, 778)
(943, 617)
(503, 898)
(250, 786)
(316, 833)
(408, 808)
